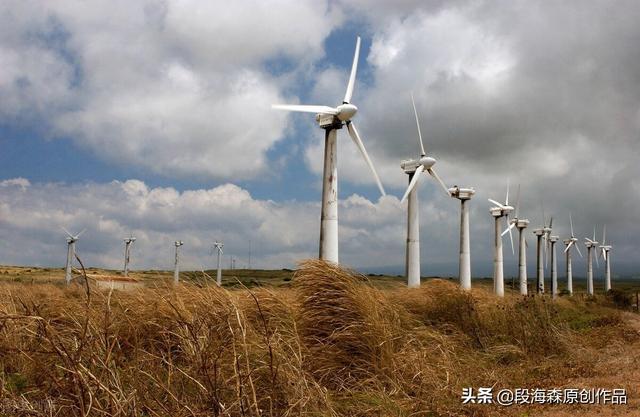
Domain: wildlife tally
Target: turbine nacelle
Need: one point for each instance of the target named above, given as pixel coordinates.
(178, 243)
(461, 193)
(500, 211)
(411, 165)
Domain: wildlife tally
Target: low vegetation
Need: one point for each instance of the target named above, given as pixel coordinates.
(330, 344)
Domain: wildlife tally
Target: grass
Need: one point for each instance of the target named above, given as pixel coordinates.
(327, 342)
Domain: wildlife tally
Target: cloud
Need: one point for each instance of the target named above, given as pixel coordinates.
(178, 88)
(32, 215)
(372, 233)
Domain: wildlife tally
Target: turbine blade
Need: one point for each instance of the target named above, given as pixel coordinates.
(80, 234)
(496, 203)
(354, 70)
(413, 183)
(513, 251)
(604, 235)
(571, 223)
(579, 253)
(353, 132)
(306, 108)
(511, 226)
(597, 262)
(568, 246)
(594, 233)
(67, 232)
(506, 200)
(420, 142)
(551, 223)
(434, 175)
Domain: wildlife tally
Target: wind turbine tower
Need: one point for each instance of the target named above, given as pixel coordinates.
(569, 243)
(414, 168)
(71, 253)
(520, 224)
(541, 233)
(464, 195)
(554, 267)
(590, 244)
(218, 246)
(176, 271)
(127, 253)
(604, 250)
(331, 119)
(498, 212)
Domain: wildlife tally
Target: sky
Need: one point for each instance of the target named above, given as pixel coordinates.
(154, 118)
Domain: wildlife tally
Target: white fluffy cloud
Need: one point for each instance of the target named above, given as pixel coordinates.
(372, 233)
(176, 87)
(31, 217)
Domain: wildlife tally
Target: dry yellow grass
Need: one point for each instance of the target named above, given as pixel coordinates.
(331, 345)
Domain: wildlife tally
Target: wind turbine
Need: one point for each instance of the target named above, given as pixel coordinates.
(520, 224)
(71, 252)
(569, 243)
(499, 211)
(464, 195)
(541, 233)
(331, 119)
(176, 271)
(554, 266)
(218, 246)
(414, 168)
(590, 244)
(127, 253)
(604, 250)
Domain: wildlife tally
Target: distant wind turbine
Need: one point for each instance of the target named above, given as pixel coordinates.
(554, 266)
(176, 271)
(570, 242)
(520, 224)
(464, 267)
(414, 168)
(606, 255)
(590, 244)
(541, 233)
(499, 211)
(127, 253)
(218, 246)
(71, 253)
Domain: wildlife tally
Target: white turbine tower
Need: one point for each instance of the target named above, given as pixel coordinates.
(520, 224)
(127, 253)
(590, 244)
(541, 233)
(464, 271)
(554, 266)
(176, 271)
(499, 211)
(218, 246)
(604, 250)
(569, 243)
(331, 119)
(414, 168)
(71, 253)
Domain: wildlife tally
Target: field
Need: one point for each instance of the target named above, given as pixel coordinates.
(319, 341)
